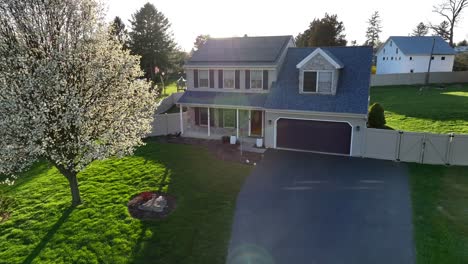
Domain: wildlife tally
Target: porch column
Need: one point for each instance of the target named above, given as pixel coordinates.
(181, 120)
(209, 132)
(237, 119)
(250, 117)
(263, 123)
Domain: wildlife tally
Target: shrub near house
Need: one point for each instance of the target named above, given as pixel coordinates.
(376, 116)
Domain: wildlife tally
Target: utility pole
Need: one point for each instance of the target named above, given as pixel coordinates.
(430, 62)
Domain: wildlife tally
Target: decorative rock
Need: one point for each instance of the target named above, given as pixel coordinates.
(155, 204)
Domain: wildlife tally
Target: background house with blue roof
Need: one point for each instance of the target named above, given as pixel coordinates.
(413, 54)
(306, 99)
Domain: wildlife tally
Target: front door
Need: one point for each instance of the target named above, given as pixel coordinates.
(256, 121)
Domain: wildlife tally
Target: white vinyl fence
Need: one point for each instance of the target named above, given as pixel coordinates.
(166, 124)
(418, 78)
(426, 148)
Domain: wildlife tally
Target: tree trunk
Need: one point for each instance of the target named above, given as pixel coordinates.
(70, 174)
(75, 192)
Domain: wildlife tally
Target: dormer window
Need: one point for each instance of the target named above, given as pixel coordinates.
(256, 79)
(203, 78)
(314, 81)
(319, 72)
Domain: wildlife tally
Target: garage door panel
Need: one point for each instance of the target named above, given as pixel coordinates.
(320, 136)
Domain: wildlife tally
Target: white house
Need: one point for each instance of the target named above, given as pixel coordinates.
(412, 54)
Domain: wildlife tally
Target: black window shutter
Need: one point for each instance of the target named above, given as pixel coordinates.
(220, 78)
(195, 78)
(197, 116)
(211, 78)
(237, 79)
(265, 80)
(247, 79)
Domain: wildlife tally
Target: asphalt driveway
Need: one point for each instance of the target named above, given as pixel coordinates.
(308, 208)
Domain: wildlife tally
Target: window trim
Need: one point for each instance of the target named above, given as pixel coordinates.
(317, 81)
(234, 79)
(208, 78)
(235, 118)
(261, 74)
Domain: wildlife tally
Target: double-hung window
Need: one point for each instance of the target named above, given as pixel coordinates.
(229, 118)
(315, 81)
(256, 79)
(203, 76)
(229, 79)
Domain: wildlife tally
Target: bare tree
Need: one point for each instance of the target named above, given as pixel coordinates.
(450, 10)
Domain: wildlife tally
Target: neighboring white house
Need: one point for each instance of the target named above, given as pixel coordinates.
(412, 54)
(461, 49)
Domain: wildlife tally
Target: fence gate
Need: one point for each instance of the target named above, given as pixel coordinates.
(425, 148)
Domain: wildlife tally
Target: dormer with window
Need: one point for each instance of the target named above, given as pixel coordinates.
(319, 73)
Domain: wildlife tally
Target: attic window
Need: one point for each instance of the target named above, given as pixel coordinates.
(442, 58)
(391, 43)
(432, 57)
(410, 58)
(396, 50)
(315, 81)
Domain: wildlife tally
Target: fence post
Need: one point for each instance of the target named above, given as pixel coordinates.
(423, 148)
(167, 124)
(397, 154)
(448, 154)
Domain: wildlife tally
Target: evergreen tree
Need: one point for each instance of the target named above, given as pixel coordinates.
(152, 40)
(373, 30)
(420, 30)
(118, 30)
(327, 31)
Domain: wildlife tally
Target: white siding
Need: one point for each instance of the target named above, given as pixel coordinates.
(272, 76)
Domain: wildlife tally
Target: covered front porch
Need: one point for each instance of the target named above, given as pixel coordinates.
(209, 122)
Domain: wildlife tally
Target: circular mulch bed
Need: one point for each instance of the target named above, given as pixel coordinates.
(142, 198)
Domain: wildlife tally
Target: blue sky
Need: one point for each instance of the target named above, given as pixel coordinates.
(262, 17)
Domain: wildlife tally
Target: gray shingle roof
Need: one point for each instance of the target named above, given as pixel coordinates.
(422, 45)
(351, 96)
(223, 98)
(240, 50)
(353, 83)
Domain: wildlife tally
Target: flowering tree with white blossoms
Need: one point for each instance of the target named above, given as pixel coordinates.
(68, 91)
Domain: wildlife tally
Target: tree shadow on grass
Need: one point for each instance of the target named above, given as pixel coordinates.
(37, 250)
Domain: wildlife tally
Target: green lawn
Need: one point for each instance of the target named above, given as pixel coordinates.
(439, 194)
(170, 88)
(440, 213)
(430, 110)
(44, 229)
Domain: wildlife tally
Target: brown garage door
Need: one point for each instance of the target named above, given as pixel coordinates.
(309, 135)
